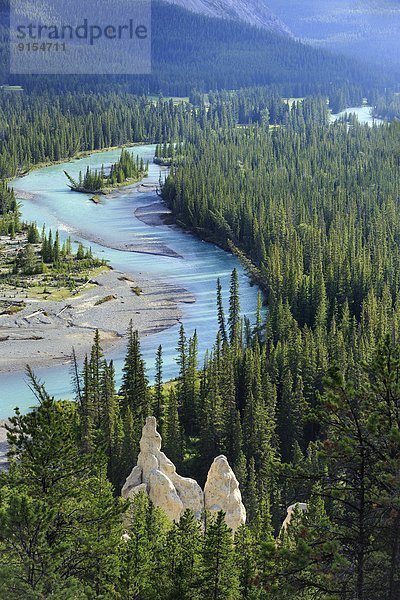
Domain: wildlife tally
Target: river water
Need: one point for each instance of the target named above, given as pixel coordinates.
(114, 224)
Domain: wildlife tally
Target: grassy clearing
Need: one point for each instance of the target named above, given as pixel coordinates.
(57, 283)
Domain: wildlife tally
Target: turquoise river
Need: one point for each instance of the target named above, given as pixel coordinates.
(113, 224)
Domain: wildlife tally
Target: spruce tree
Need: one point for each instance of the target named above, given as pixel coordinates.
(221, 314)
(172, 432)
(134, 390)
(158, 397)
(220, 573)
(51, 491)
(234, 309)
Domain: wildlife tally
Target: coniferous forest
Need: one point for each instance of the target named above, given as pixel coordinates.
(304, 404)
(304, 400)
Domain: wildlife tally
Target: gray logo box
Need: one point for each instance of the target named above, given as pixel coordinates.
(80, 37)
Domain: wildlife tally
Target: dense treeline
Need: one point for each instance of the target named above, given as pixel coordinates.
(86, 122)
(182, 60)
(388, 107)
(313, 207)
(312, 210)
(45, 254)
(83, 123)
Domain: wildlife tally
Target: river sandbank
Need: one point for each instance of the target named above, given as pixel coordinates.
(44, 332)
(155, 214)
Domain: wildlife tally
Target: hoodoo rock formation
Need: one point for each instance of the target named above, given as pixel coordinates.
(222, 492)
(156, 475)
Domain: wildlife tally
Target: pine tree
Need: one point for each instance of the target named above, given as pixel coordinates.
(141, 569)
(172, 438)
(134, 386)
(52, 491)
(189, 397)
(220, 574)
(245, 551)
(185, 542)
(96, 365)
(221, 314)
(158, 399)
(234, 309)
(111, 426)
(86, 410)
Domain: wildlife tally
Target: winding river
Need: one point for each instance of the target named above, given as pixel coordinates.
(114, 225)
(195, 266)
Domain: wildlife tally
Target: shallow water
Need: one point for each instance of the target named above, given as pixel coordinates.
(114, 223)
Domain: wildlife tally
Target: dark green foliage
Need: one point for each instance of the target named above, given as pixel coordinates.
(134, 392)
(308, 240)
(33, 234)
(9, 213)
(52, 492)
(61, 524)
(173, 439)
(158, 393)
(388, 107)
(234, 310)
(219, 570)
(87, 121)
(27, 262)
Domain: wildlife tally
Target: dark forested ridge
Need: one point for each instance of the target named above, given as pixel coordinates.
(221, 55)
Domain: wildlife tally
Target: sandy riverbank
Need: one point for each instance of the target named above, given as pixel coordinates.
(155, 214)
(44, 333)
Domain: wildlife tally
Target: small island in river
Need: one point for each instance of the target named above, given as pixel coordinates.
(126, 171)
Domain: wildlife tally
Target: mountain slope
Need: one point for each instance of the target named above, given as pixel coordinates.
(192, 51)
(364, 29)
(255, 12)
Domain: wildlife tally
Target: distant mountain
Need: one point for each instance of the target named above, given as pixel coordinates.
(255, 12)
(363, 29)
(192, 51)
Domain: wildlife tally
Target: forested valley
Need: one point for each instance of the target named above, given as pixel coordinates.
(88, 121)
(305, 403)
